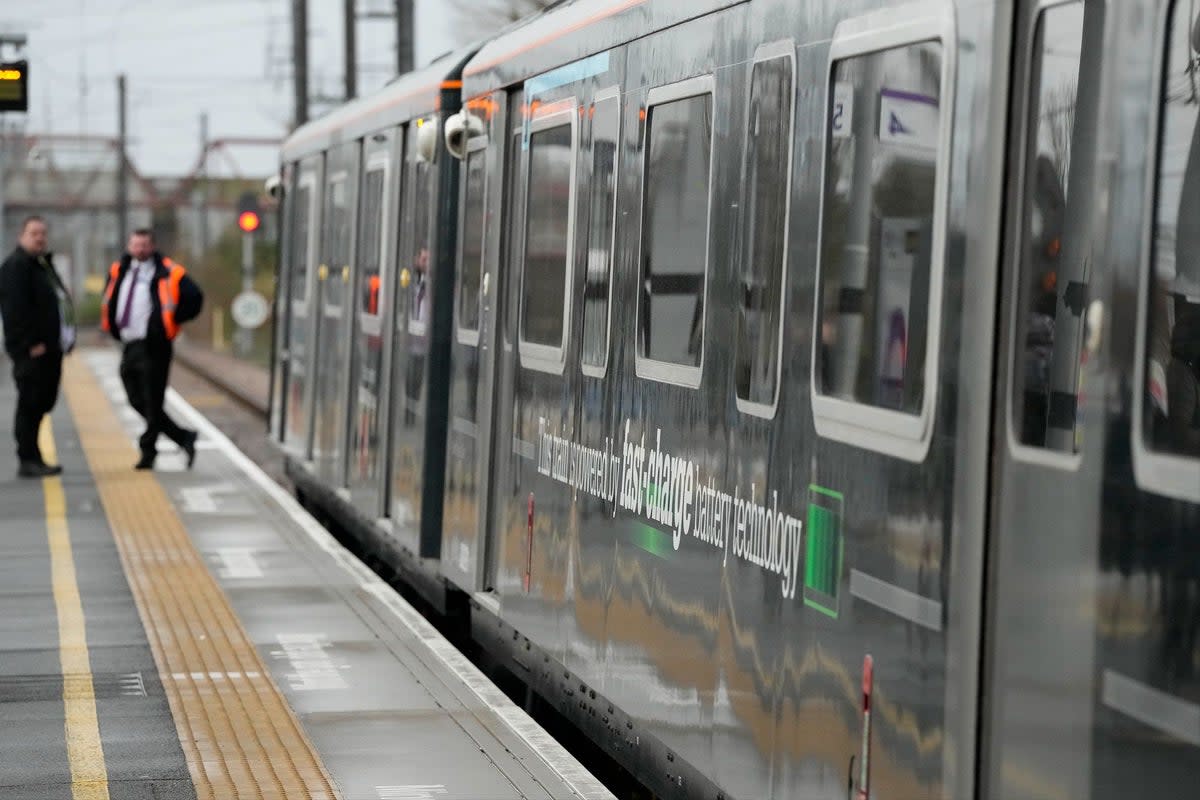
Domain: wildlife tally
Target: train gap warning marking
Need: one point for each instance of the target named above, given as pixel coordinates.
(313, 669)
(199, 500)
(237, 562)
(85, 751)
(416, 791)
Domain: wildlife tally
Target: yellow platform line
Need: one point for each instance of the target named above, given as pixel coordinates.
(85, 753)
(238, 734)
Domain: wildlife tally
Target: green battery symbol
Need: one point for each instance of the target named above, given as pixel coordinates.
(823, 550)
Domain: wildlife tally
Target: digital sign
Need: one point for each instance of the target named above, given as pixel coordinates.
(14, 86)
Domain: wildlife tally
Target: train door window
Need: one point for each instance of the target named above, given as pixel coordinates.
(675, 224)
(419, 221)
(765, 205)
(1167, 446)
(548, 237)
(337, 217)
(302, 224)
(1053, 214)
(513, 214)
(882, 234)
(602, 214)
(371, 246)
(472, 242)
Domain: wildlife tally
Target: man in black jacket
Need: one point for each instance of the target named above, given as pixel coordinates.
(147, 300)
(37, 329)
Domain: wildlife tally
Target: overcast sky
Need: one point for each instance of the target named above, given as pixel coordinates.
(229, 58)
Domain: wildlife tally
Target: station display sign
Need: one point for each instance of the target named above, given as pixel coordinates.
(14, 86)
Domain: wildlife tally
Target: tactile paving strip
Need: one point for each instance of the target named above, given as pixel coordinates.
(239, 736)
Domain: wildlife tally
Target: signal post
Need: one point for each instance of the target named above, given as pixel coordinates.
(249, 309)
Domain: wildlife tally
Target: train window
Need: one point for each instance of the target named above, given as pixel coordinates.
(765, 227)
(472, 240)
(336, 258)
(675, 220)
(597, 287)
(1167, 458)
(1053, 218)
(371, 291)
(549, 211)
(882, 230)
(299, 249)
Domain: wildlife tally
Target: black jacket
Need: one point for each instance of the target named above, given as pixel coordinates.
(191, 299)
(29, 304)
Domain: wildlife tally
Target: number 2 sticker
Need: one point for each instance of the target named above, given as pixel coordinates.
(841, 115)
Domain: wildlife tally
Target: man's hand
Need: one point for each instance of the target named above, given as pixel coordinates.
(37, 351)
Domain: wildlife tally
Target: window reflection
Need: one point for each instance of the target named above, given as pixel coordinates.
(299, 248)
(768, 146)
(472, 242)
(1052, 238)
(547, 236)
(606, 123)
(675, 230)
(371, 284)
(1172, 409)
(877, 228)
(335, 242)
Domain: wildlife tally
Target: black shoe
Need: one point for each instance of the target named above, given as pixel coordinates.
(190, 449)
(36, 469)
(145, 462)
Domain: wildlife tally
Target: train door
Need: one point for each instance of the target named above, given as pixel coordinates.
(331, 380)
(297, 401)
(375, 258)
(506, 285)
(280, 335)
(410, 348)
(1048, 439)
(475, 365)
(1146, 738)
(465, 447)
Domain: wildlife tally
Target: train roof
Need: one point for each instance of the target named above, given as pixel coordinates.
(572, 31)
(408, 96)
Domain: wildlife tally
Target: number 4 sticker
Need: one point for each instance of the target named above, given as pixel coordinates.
(841, 122)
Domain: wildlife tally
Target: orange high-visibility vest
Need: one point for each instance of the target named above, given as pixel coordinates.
(373, 295)
(168, 295)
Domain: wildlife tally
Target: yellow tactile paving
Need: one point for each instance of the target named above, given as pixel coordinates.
(239, 736)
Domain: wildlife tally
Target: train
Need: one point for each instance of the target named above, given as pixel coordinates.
(801, 397)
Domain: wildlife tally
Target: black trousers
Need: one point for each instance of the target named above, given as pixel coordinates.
(145, 366)
(37, 381)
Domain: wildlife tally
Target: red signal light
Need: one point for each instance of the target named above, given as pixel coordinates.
(248, 221)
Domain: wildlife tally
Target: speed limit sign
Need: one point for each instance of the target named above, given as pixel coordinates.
(250, 309)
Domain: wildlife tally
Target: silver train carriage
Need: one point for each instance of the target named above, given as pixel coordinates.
(802, 397)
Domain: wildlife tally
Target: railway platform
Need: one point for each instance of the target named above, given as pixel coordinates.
(195, 633)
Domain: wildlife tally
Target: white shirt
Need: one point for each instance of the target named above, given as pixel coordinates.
(66, 329)
(137, 280)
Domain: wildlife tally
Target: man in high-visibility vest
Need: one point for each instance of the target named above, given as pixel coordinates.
(147, 299)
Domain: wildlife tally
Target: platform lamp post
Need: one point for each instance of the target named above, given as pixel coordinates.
(248, 221)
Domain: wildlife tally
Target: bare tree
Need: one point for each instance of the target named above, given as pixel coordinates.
(479, 18)
(1059, 118)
